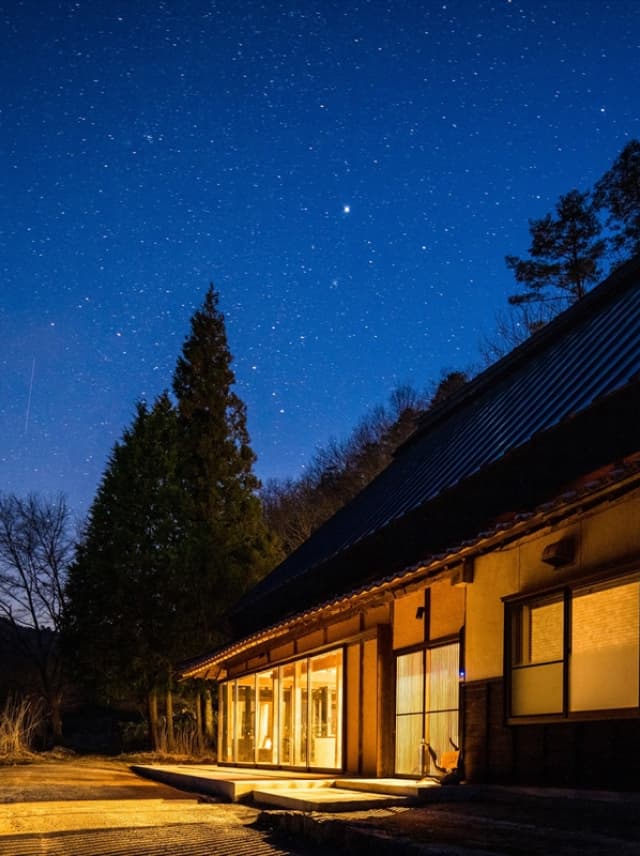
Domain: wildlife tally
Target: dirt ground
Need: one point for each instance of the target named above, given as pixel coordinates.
(100, 808)
(518, 823)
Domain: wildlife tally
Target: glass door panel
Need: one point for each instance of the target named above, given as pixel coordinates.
(427, 693)
(245, 719)
(300, 713)
(287, 717)
(442, 687)
(325, 680)
(293, 714)
(265, 742)
(409, 746)
(409, 713)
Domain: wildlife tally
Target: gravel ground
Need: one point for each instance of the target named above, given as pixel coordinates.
(535, 827)
(500, 823)
(100, 808)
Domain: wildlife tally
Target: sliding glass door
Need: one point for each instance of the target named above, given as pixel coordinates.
(290, 715)
(427, 708)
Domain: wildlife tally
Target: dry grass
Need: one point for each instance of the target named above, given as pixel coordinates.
(20, 720)
(188, 741)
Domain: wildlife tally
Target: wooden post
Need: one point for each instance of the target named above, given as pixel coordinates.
(386, 703)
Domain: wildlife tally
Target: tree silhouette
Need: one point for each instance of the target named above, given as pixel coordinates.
(619, 191)
(227, 547)
(564, 258)
(122, 628)
(36, 547)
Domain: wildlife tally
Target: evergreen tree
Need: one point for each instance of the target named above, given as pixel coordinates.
(619, 191)
(228, 546)
(122, 627)
(565, 253)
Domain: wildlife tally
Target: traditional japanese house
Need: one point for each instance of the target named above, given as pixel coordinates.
(479, 602)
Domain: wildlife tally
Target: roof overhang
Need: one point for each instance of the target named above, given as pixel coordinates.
(590, 491)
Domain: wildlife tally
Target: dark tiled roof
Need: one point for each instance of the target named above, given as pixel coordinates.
(589, 352)
(600, 487)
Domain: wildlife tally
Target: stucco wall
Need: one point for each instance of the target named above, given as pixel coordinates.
(605, 537)
(590, 753)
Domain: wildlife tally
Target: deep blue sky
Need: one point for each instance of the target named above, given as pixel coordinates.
(350, 176)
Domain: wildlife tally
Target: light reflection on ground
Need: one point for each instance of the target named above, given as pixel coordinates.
(100, 808)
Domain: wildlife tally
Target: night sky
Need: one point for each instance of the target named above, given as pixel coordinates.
(349, 175)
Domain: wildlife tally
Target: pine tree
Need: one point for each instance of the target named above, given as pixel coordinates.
(122, 628)
(228, 546)
(175, 534)
(619, 191)
(565, 253)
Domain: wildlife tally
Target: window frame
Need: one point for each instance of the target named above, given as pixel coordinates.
(513, 607)
(228, 721)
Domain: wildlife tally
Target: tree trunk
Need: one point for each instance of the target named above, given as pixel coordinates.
(55, 704)
(200, 739)
(154, 730)
(208, 717)
(171, 736)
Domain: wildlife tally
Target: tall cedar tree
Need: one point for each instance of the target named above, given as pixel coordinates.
(565, 253)
(619, 191)
(228, 546)
(123, 628)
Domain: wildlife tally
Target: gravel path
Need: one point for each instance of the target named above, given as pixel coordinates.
(100, 808)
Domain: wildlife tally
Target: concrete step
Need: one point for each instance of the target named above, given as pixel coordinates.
(323, 798)
(231, 785)
(416, 790)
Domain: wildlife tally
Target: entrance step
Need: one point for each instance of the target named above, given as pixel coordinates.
(393, 787)
(234, 785)
(325, 798)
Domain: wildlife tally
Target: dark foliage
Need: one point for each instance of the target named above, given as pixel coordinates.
(122, 625)
(227, 547)
(339, 471)
(565, 254)
(175, 534)
(36, 546)
(618, 191)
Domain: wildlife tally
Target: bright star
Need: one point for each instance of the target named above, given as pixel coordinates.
(346, 209)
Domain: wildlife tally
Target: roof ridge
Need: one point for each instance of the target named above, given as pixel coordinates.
(619, 279)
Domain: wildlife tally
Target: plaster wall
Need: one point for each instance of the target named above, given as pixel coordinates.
(446, 609)
(408, 627)
(605, 537)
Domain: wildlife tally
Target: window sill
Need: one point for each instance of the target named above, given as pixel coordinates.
(578, 716)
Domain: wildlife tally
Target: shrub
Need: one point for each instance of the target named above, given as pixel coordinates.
(20, 719)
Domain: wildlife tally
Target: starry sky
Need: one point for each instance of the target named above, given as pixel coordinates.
(348, 173)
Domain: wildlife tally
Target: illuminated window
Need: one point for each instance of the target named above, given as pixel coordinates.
(427, 693)
(604, 667)
(576, 651)
(537, 633)
(289, 715)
